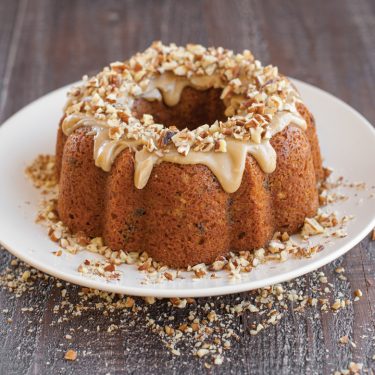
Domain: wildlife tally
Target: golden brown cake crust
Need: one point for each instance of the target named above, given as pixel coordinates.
(186, 219)
(293, 184)
(313, 140)
(124, 211)
(81, 186)
(251, 221)
(60, 142)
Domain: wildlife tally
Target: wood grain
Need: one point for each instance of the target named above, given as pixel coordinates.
(45, 44)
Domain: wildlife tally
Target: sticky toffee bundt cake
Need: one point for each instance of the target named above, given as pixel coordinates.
(187, 153)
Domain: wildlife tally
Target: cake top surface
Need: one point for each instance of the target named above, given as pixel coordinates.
(255, 98)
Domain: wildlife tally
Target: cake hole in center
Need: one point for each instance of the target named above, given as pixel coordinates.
(194, 109)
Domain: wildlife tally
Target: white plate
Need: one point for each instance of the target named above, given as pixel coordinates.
(348, 145)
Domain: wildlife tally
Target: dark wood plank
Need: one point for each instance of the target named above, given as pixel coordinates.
(45, 44)
(11, 19)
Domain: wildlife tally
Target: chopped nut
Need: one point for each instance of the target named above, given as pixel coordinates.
(26, 275)
(212, 316)
(183, 327)
(355, 367)
(71, 355)
(195, 327)
(218, 265)
(180, 303)
(110, 267)
(129, 302)
(218, 360)
(311, 228)
(336, 305)
(344, 340)
(202, 352)
(358, 293)
(221, 146)
(169, 330)
(150, 300)
(340, 270)
(175, 352)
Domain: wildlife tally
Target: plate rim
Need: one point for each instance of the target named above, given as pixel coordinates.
(229, 288)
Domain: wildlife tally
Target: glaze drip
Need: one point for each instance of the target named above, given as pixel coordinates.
(169, 87)
(228, 167)
(259, 103)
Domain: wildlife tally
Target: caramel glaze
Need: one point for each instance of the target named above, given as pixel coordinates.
(227, 166)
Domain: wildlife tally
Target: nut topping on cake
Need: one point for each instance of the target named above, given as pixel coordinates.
(252, 95)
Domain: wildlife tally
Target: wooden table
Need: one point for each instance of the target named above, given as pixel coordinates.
(45, 44)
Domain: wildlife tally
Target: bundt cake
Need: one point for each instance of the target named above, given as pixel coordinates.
(186, 153)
